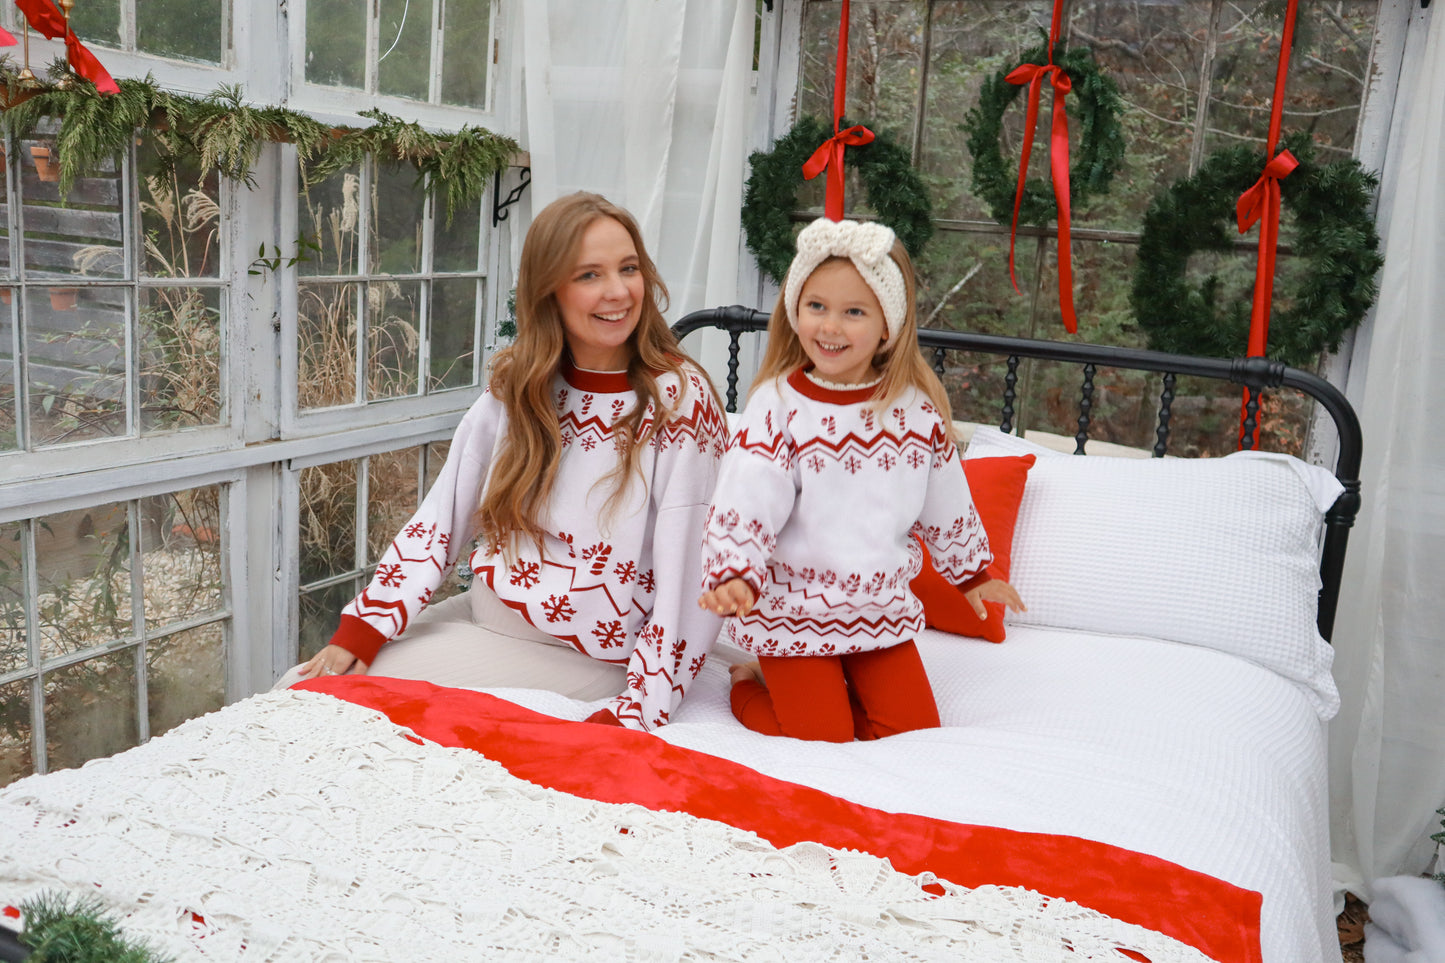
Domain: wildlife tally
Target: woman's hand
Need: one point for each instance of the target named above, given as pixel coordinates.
(332, 660)
(733, 597)
(993, 590)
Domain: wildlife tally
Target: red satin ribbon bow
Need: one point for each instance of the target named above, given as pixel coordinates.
(829, 156)
(1262, 203)
(1033, 75)
(44, 16)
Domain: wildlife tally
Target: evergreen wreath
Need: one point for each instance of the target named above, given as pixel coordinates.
(221, 132)
(1334, 234)
(1094, 106)
(59, 929)
(895, 192)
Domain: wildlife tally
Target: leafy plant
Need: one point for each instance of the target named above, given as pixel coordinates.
(59, 929)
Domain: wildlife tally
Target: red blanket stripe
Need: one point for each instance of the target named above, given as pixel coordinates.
(623, 766)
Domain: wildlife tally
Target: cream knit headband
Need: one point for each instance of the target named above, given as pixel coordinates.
(867, 244)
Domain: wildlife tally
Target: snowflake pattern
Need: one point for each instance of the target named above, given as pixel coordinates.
(610, 634)
(886, 461)
(647, 582)
(625, 571)
(852, 464)
(525, 573)
(415, 530)
(916, 458)
(558, 608)
(390, 574)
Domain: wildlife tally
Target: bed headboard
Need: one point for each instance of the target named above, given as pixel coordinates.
(1254, 374)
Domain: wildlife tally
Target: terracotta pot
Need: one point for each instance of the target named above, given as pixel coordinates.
(62, 299)
(45, 168)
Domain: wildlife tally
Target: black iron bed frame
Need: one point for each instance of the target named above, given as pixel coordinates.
(1254, 374)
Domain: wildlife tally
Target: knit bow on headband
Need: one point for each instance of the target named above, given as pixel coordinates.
(868, 245)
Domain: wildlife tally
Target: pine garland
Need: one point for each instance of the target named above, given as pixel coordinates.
(894, 191)
(58, 930)
(1093, 106)
(1334, 235)
(221, 132)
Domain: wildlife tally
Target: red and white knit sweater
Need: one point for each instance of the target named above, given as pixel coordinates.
(621, 588)
(816, 508)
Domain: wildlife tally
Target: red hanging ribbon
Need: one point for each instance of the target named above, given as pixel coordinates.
(1033, 75)
(45, 17)
(829, 156)
(7, 39)
(1262, 203)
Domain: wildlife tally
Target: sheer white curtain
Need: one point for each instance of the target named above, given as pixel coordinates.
(1387, 747)
(646, 102)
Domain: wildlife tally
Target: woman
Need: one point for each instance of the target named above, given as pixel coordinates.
(584, 473)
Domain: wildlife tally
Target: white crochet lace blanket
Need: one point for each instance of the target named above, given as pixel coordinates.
(294, 826)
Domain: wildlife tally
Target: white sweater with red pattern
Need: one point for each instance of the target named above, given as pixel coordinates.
(621, 589)
(816, 508)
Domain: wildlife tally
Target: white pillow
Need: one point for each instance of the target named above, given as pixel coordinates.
(1218, 552)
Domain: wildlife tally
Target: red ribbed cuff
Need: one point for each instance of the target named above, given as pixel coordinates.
(359, 638)
(975, 581)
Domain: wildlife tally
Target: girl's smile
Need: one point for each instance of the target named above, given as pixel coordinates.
(840, 323)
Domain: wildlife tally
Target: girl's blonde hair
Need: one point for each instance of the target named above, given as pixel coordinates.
(899, 359)
(525, 469)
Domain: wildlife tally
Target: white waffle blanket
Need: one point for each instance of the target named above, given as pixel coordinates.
(1181, 752)
(297, 827)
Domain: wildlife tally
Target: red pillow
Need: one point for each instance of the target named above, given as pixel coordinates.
(997, 486)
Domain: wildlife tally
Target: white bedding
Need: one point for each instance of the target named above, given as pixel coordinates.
(1177, 751)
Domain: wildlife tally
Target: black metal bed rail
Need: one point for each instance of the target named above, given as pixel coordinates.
(1255, 375)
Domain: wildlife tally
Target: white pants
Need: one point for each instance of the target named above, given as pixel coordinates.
(474, 641)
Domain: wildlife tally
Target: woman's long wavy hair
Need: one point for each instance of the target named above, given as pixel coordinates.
(899, 359)
(525, 469)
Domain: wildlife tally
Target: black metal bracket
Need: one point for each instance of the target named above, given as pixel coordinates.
(499, 206)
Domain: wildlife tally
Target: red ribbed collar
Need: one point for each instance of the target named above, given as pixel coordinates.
(808, 389)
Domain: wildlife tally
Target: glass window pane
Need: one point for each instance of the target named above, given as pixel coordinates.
(16, 760)
(328, 520)
(185, 675)
(457, 244)
(180, 358)
(1327, 71)
(392, 497)
(90, 709)
(181, 542)
(98, 21)
(83, 563)
(321, 614)
(190, 30)
(397, 203)
(1156, 64)
(404, 48)
(884, 42)
(336, 42)
(9, 402)
(14, 647)
(330, 216)
(453, 332)
(393, 325)
(85, 235)
(326, 335)
(466, 51)
(180, 217)
(75, 341)
(6, 267)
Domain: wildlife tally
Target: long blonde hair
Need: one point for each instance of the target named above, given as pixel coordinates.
(525, 469)
(899, 359)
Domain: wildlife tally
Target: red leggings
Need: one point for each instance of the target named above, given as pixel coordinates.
(837, 698)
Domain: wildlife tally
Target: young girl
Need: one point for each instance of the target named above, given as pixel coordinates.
(585, 472)
(844, 452)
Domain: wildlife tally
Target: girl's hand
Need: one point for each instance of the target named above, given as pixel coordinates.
(993, 590)
(746, 670)
(733, 597)
(332, 660)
